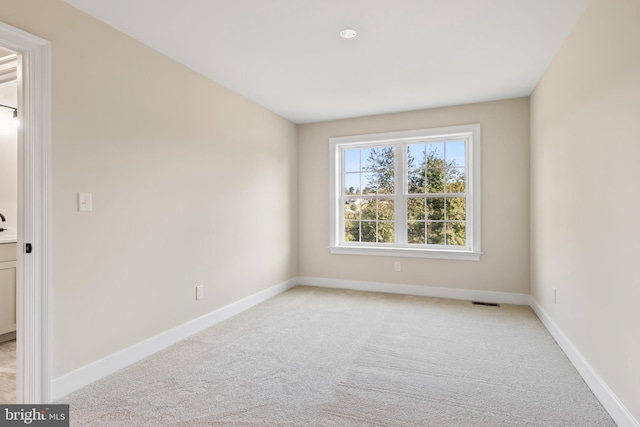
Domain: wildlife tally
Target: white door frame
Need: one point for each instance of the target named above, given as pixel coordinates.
(34, 213)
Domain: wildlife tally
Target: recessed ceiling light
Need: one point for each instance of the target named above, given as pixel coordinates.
(348, 33)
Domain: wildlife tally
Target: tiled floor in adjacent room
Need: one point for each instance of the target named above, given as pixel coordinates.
(8, 372)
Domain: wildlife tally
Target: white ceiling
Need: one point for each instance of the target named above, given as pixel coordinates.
(409, 54)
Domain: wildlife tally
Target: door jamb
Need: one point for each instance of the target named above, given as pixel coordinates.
(34, 213)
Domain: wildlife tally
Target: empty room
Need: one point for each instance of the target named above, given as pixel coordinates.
(320, 213)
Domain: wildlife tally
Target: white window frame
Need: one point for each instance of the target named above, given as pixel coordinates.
(400, 247)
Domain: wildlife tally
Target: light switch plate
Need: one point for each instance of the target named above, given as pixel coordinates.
(85, 203)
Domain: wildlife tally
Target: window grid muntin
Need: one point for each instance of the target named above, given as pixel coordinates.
(444, 195)
(361, 172)
(377, 219)
(401, 146)
(361, 195)
(445, 217)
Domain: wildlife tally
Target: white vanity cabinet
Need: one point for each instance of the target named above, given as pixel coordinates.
(7, 288)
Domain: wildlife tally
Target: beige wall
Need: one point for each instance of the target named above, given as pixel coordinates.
(584, 200)
(8, 160)
(505, 201)
(192, 184)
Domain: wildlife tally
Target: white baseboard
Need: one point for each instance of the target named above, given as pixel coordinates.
(423, 291)
(81, 377)
(607, 398)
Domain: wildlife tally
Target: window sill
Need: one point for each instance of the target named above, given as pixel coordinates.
(406, 252)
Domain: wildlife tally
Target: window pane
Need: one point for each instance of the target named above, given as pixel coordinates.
(385, 179)
(351, 209)
(379, 163)
(416, 156)
(368, 209)
(385, 232)
(435, 209)
(351, 231)
(435, 155)
(455, 180)
(385, 158)
(351, 183)
(435, 180)
(385, 209)
(368, 231)
(352, 160)
(415, 232)
(456, 234)
(416, 209)
(456, 154)
(435, 233)
(456, 209)
(416, 181)
(368, 184)
(368, 159)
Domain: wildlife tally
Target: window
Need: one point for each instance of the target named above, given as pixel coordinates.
(413, 193)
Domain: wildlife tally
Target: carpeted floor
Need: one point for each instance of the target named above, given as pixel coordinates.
(8, 372)
(321, 357)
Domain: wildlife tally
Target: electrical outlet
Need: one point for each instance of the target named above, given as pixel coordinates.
(398, 266)
(199, 292)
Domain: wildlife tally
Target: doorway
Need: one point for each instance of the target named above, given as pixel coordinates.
(33, 265)
(8, 223)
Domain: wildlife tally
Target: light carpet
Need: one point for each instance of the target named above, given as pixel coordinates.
(324, 357)
(8, 372)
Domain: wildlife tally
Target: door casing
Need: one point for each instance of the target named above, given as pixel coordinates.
(33, 283)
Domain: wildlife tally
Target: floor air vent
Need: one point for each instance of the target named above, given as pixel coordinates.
(488, 304)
